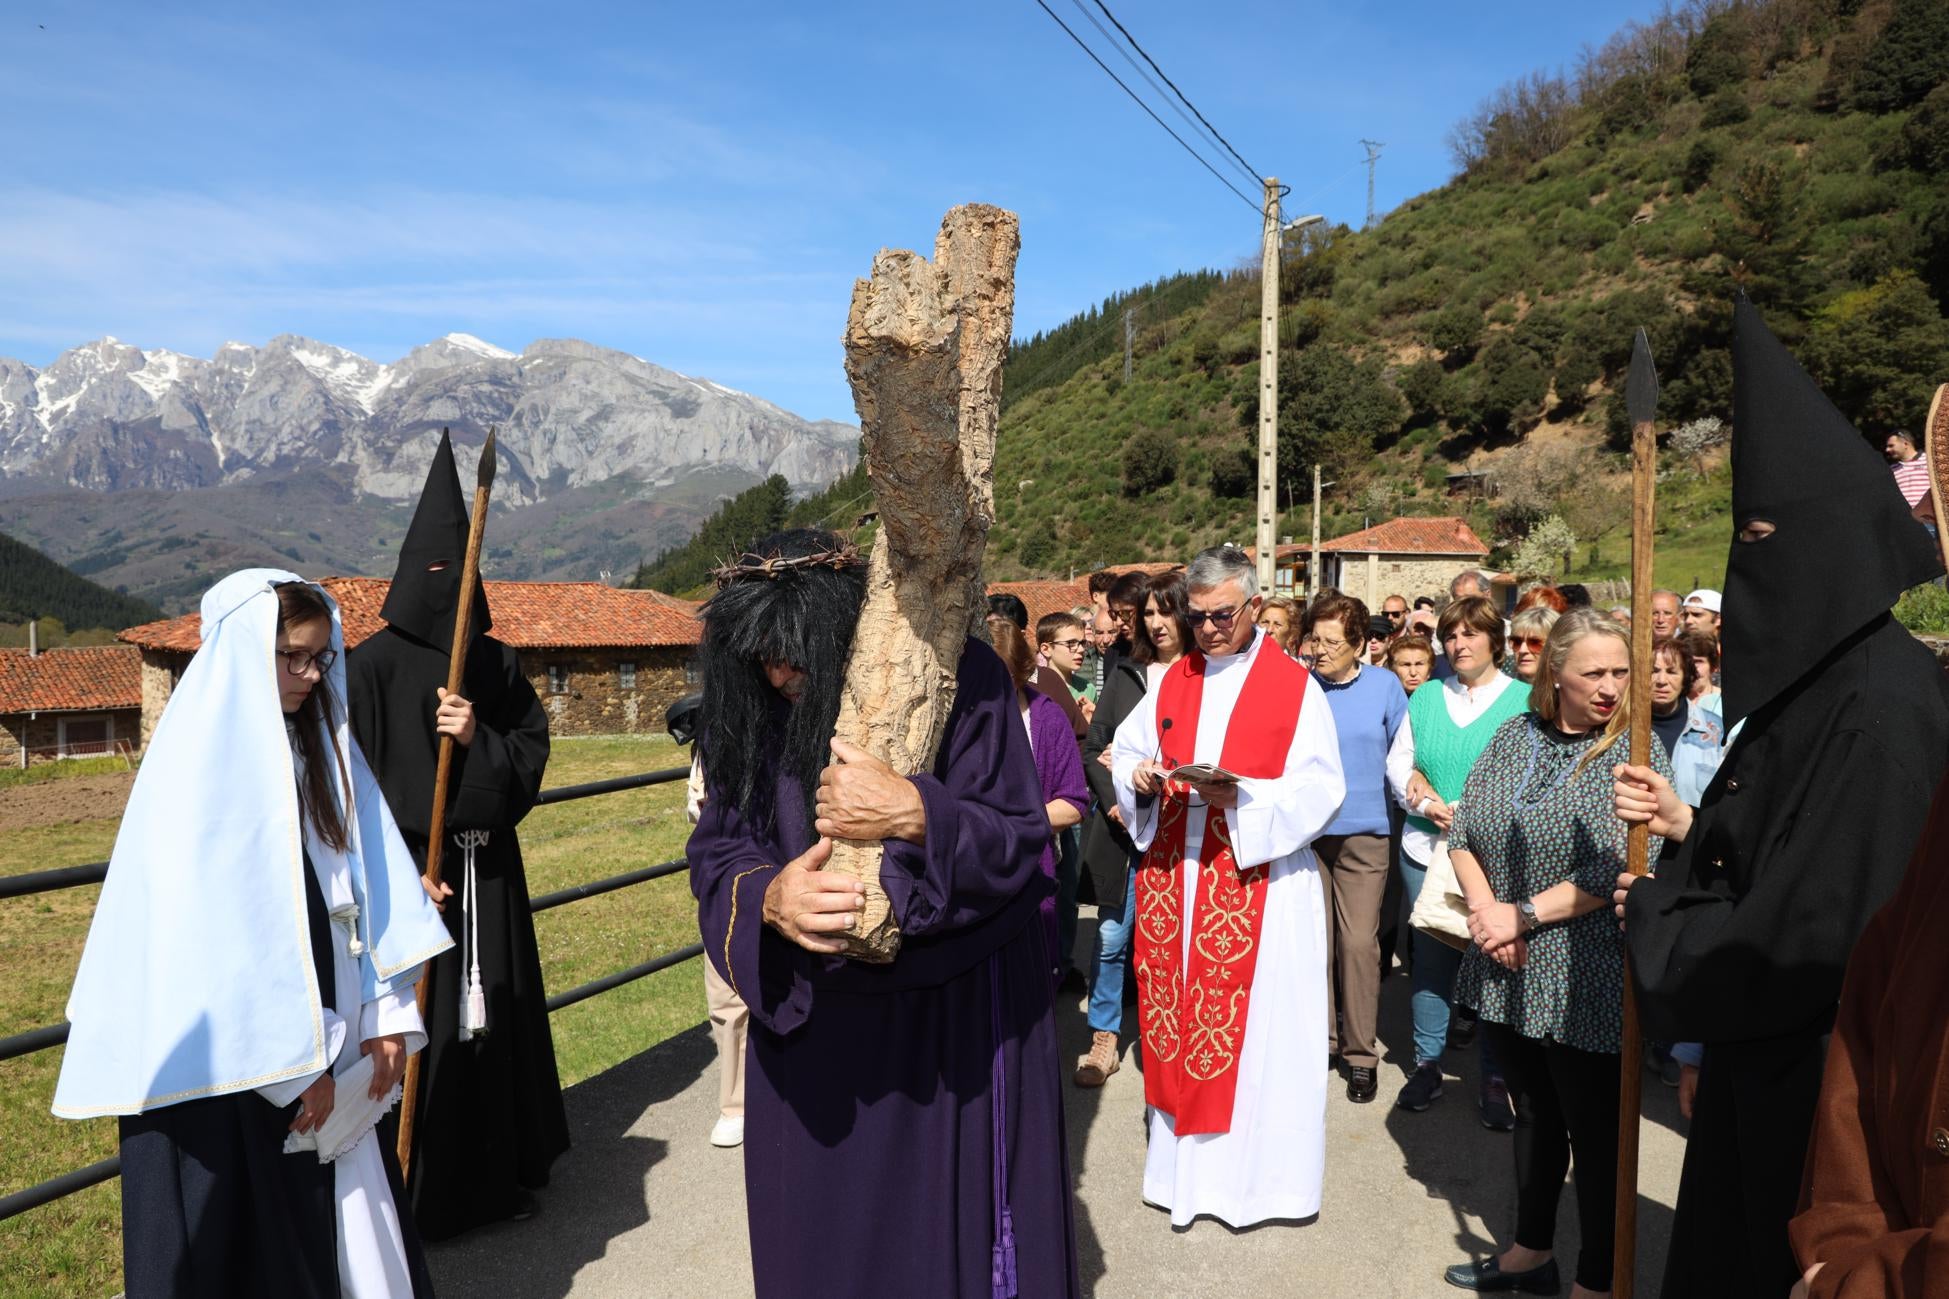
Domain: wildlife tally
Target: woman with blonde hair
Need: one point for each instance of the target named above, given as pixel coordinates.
(1537, 851)
(1528, 630)
(1280, 618)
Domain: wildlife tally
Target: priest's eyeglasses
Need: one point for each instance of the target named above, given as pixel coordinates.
(299, 662)
(1219, 618)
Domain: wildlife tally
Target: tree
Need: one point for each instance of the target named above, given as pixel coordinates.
(1908, 60)
(1454, 330)
(1233, 473)
(1513, 385)
(1150, 461)
(1594, 508)
(1332, 410)
(1692, 440)
(1545, 551)
(1763, 236)
(1420, 384)
(1719, 55)
(1925, 136)
(1879, 352)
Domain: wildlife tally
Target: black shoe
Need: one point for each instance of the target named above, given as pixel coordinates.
(1498, 1115)
(1362, 1085)
(1461, 1031)
(1423, 1088)
(1488, 1275)
(1670, 1072)
(525, 1205)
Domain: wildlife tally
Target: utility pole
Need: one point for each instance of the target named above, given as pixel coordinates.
(1129, 335)
(1313, 565)
(1268, 387)
(1374, 148)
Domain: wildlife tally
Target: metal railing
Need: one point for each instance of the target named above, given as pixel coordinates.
(52, 1035)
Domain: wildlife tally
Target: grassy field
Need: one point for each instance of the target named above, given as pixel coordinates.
(73, 1246)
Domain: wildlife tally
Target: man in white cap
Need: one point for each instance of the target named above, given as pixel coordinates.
(1700, 612)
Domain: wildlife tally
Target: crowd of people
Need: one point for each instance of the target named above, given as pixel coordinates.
(1269, 803)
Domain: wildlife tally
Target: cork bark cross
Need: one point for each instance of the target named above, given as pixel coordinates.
(925, 344)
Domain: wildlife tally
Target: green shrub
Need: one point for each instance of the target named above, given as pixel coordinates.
(1925, 136)
(1150, 461)
(1234, 473)
(1454, 330)
(1924, 610)
(1728, 108)
(1908, 60)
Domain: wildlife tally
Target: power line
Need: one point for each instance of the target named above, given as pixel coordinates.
(1179, 93)
(1055, 18)
(1151, 81)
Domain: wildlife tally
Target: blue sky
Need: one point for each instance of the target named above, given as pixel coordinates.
(698, 184)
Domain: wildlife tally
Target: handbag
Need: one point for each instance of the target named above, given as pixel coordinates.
(1440, 911)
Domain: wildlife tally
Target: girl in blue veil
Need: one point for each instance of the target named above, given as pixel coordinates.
(245, 1003)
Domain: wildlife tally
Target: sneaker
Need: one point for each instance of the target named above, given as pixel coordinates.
(1361, 1084)
(1498, 1115)
(1670, 1072)
(1423, 1088)
(1461, 1030)
(1094, 1069)
(727, 1132)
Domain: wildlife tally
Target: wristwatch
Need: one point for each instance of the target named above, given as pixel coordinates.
(1527, 910)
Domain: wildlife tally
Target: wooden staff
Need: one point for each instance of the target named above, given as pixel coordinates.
(436, 834)
(1641, 399)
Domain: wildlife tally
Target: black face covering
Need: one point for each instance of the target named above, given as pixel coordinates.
(1844, 545)
(422, 603)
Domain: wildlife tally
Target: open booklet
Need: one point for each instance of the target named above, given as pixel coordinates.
(1203, 773)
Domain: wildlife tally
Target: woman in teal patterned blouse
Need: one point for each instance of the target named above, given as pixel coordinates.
(1537, 851)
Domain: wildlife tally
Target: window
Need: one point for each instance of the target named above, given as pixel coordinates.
(85, 737)
(557, 679)
(693, 673)
(626, 675)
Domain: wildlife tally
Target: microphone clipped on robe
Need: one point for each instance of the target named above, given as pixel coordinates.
(1163, 729)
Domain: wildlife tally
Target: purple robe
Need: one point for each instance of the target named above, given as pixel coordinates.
(1059, 771)
(872, 1102)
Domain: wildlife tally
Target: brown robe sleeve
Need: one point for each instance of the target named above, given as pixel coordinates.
(1855, 1216)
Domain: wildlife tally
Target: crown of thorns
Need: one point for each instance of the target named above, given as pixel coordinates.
(750, 566)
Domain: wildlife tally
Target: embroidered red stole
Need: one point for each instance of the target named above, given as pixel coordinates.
(1193, 1012)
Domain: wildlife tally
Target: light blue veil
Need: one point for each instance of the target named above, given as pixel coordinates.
(197, 979)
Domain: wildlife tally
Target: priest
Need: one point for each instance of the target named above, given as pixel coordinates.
(1230, 914)
(903, 1122)
(489, 1119)
(1740, 940)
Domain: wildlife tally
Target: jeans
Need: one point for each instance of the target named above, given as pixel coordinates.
(1431, 983)
(1112, 959)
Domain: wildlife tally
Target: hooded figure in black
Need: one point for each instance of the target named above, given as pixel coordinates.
(1741, 939)
(489, 1120)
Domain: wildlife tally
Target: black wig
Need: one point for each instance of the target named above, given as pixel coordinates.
(804, 617)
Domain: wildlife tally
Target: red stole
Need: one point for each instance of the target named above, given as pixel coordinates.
(1193, 1013)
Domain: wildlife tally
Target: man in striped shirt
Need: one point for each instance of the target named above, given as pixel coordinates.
(1911, 470)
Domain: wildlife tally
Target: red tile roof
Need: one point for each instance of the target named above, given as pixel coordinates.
(1054, 595)
(527, 615)
(84, 679)
(1446, 535)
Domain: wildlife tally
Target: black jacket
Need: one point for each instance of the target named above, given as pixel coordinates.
(1106, 848)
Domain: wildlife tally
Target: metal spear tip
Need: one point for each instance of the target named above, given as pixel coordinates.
(1641, 388)
(485, 479)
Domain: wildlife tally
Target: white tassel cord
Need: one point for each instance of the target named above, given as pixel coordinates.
(473, 998)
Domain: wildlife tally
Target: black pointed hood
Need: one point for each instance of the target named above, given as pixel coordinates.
(422, 603)
(1844, 545)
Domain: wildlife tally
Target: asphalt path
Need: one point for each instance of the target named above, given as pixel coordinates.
(643, 1205)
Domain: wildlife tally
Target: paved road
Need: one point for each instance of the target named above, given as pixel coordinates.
(644, 1206)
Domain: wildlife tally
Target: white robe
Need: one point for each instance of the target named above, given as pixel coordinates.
(371, 1250)
(1272, 1161)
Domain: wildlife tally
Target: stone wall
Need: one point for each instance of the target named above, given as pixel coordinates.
(584, 693)
(1371, 577)
(160, 673)
(40, 736)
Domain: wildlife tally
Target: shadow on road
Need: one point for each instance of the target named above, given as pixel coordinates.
(597, 1193)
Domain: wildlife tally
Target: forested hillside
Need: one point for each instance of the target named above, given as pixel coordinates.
(34, 586)
(1795, 148)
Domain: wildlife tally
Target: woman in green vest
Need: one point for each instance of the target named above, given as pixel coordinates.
(1449, 723)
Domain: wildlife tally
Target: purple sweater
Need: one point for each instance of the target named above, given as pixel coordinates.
(1058, 762)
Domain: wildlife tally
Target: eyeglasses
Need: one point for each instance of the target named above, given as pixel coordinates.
(1526, 642)
(299, 662)
(1219, 618)
(1329, 646)
(1071, 643)
(1394, 615)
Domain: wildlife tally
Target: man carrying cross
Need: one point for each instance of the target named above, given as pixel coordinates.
(1230, 915)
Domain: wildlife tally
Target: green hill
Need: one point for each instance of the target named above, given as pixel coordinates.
(1794, 148)
(34, 586)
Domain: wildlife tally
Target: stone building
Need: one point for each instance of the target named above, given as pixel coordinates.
(1407, 557)
(69, 703)
(605, 661)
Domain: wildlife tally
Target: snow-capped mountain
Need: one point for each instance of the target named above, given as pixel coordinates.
(109, 417)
